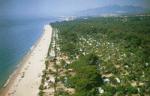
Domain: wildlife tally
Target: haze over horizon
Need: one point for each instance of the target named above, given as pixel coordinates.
(46, 8)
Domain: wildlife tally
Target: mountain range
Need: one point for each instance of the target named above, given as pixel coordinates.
(113, 10)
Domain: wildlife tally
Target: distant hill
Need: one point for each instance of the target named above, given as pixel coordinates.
(113, 10)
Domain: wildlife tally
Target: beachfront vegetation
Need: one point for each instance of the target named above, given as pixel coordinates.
(108, 55)
(87, 78)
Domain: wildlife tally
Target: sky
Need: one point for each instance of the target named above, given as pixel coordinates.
(43, 8)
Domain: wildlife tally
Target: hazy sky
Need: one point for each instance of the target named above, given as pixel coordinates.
(58, 7)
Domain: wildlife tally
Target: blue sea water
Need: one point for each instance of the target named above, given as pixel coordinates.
(17, 36)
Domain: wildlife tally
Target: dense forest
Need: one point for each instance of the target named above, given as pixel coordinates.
(108, 55)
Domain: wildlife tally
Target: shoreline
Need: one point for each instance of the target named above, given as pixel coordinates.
(20, 63)
(21, 67)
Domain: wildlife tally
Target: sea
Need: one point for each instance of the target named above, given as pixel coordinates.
(17, 36)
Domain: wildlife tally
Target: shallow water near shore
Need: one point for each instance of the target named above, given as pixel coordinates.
(16, 39)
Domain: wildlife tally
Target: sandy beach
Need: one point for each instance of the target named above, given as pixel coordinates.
(27, 78)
